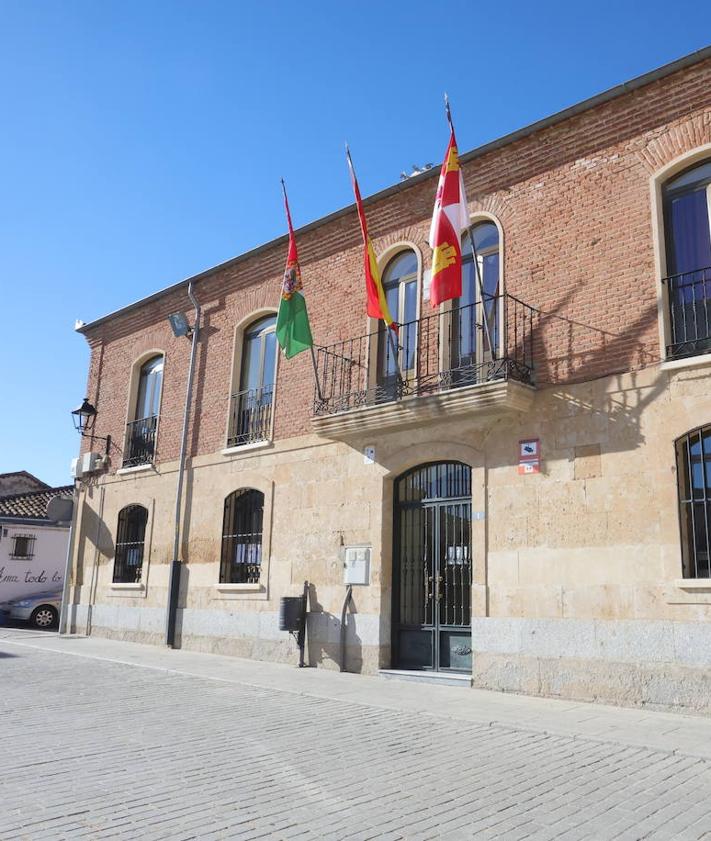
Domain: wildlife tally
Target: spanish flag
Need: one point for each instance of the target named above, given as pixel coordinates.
(293, 331)
(377, 305)
(449, 220)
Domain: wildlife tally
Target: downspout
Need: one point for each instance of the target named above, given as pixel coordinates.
(176, 564)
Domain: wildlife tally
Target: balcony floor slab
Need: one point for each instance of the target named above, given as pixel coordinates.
(479, 400)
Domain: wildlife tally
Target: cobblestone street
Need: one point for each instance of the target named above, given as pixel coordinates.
(94, 748)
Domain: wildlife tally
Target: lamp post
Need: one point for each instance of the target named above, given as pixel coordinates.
(84, 417)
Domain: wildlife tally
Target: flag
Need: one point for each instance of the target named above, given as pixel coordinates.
(292, 328)
(449, 220)
(377, 305)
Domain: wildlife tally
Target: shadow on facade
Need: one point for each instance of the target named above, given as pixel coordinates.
(324, 636)
(97, 543)
(182, 604)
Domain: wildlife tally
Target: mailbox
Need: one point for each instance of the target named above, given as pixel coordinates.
(291, 613)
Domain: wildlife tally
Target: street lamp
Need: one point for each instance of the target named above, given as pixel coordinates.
(84, 417)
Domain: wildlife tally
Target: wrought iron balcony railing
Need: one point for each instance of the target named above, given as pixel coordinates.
(689, 302)
(250, 416)
(140, 441)
(466, 345)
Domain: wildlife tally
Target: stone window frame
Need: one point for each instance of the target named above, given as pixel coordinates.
(233, 503)
(683, 473)
(235, 376)
(134, 589)
(250, 592)
(657, 181)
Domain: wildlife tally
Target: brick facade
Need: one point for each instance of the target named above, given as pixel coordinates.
(574, 204)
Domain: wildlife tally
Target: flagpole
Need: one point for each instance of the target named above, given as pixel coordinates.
(393, 347)
(318, 384)
(475, 255)
(291, 236)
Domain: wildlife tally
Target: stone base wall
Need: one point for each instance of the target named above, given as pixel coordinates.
(212, 633)
(660, 665)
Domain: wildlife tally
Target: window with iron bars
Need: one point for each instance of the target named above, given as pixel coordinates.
(693, 454)
(130, 540)
(241, 561)
(23, 546)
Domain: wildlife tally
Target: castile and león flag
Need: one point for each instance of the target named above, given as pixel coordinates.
(450, 220)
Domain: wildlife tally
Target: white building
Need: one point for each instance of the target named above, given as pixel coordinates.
(33, 547)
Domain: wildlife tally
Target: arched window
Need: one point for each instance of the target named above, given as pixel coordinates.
(401, 292)
(130, 538)
(687, 236)
(251, 407)
(475, 315)
(242, 537)
(693, 458)
(143, 423)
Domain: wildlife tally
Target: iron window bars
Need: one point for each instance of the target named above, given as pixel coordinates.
(693, 453)
(241, 560)
(250, 416)
(130, 540)
(23, 547)
(689, 307)
(140, 441)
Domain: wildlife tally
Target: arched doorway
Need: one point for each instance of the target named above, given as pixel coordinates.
(432, 568)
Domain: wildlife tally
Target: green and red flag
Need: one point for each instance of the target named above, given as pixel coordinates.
(293, 331)
(449, 220)
(376, 303)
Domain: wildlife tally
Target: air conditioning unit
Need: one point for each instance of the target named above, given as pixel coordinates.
(91, 462)
(75, 469)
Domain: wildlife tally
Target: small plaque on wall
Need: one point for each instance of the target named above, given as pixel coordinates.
(529, 456)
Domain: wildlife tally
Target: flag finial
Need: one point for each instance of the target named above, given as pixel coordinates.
(448, 111)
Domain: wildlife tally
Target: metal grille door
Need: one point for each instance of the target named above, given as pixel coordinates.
(433, 568)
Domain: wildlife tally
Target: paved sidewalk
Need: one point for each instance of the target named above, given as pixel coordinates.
(103, 739)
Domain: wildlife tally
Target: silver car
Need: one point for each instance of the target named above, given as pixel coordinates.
(41, 609)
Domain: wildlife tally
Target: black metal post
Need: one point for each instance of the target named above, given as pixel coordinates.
(176, 569)
(301, 636)
(344, 627)
(318, 384)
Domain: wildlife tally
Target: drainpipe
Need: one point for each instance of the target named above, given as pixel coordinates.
(176, 564)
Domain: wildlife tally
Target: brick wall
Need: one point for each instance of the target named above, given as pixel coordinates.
(574, 203)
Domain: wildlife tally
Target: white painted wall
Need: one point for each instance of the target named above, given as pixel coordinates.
(42, 573)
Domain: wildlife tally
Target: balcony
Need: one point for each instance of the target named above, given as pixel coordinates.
(689, 303)
(250, 416)
(475, 360)
(140, 442)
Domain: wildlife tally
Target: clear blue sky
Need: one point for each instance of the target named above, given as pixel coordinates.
(142, 142)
